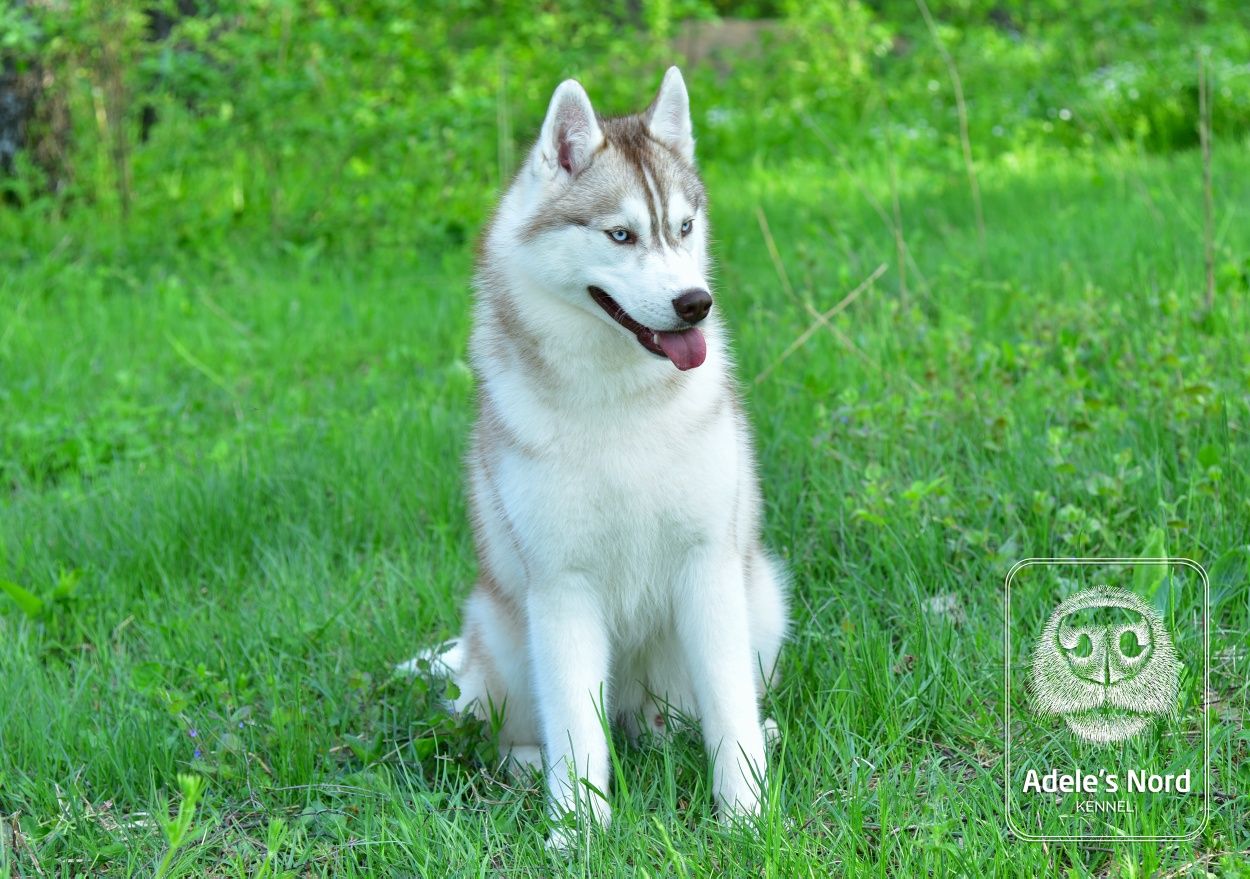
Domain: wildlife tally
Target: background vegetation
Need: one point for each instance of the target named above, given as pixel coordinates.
(235, 244)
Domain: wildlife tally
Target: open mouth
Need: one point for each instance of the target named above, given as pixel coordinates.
(685, 348)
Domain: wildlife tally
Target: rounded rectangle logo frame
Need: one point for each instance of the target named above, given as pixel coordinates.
(1114, 734)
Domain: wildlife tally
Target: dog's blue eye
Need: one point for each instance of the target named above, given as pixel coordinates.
(621, 236)
(686, 227)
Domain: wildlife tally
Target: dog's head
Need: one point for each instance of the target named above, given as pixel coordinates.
(612, 219)
(1106, 665)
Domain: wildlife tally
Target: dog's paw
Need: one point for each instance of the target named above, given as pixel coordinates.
(563, 840)
(739, 812)
(570, 829)
(440, 661)
(772, 733)
(737, 798)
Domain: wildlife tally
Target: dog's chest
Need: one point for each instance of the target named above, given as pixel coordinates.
(625, 496)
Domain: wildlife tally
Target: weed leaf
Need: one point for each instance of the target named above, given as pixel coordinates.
(30, 603)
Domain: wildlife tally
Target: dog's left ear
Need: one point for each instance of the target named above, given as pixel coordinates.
(668, 117)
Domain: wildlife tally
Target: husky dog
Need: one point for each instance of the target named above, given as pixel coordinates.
(611, 476)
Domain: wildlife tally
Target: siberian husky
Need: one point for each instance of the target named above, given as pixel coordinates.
(611, 475)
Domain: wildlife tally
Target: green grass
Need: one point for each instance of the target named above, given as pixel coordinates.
(233, 483)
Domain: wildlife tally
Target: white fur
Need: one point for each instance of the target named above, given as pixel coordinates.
(620, 517)
(668, 117)
(570, 123)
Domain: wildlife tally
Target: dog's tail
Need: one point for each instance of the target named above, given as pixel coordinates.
(440, 661)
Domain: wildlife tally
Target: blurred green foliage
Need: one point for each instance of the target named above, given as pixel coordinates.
(360, 124)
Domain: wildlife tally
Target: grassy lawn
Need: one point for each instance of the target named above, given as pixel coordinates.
(232, 484)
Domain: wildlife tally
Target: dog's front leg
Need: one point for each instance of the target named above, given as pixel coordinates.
(715, 637)
(569, 654)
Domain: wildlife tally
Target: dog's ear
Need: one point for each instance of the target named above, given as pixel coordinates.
(668, 117)
(571, 134)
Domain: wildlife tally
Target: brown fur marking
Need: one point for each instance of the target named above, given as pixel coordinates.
(600, 192)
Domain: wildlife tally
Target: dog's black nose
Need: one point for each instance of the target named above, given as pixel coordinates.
(693, 305)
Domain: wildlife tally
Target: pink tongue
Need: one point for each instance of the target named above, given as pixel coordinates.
(686, 349)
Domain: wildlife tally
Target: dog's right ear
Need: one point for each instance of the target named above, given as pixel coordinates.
(571, 133)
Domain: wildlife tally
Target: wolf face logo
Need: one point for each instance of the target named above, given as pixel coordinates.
(1106, 665)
